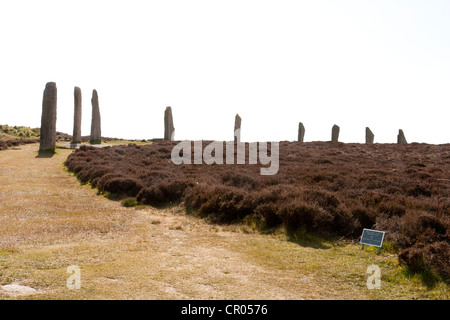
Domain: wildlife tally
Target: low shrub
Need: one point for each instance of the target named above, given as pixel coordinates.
(163, 192)
(321, 187)
(6, 144)
(433, 256)
(121, 185)
(364, 216)
(268, 213)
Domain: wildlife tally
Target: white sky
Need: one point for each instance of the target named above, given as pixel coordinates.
(382, 64)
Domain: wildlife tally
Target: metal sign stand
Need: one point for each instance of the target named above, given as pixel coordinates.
(372, 238)
(379, 249)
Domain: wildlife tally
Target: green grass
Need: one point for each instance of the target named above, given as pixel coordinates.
(343, 265)
(129, 202)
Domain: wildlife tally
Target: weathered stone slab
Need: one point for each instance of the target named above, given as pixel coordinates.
(48, 118)
(76, 138)
(17, 289)
(301, 132)
(335, 133)
(237, 128)
(169, 129)
(96, 131)
(401, 137)
(369, 136)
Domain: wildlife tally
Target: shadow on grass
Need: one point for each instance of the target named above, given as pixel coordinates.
(125, 199)
(129, 201)
(307, 239)
(428, 278)
(300, 236)
(46, 153)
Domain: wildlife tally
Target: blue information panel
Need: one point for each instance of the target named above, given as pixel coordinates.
(372, 237)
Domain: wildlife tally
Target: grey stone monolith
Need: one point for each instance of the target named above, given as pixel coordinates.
(48, 118)
(401, 137)
(335, 133)
(237, 128)
(96, 129)
(76, 138)
(169, 129)
(369, 136)
(301, 132)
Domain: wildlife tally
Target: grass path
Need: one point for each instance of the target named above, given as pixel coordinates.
(48, 222)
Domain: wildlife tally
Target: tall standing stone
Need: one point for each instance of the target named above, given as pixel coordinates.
(237, 128)
(169, 129)
(96, 131)
(48, 118)
(335, 133)
(77, 116)
(369, 136)
(301, 132)
(401, 137)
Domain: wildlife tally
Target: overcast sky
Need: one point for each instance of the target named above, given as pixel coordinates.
(382, 64)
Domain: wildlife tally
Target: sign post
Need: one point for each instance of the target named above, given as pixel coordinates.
(372, 238)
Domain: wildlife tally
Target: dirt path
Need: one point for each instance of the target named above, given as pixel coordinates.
(48, 222)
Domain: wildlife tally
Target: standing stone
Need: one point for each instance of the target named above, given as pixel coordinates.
(77, 117)
(169, 130)
(401, 137)
(301, 132)
(48, 118)
(237, 128)
(369, 136)
(96, 131)
(335, 133)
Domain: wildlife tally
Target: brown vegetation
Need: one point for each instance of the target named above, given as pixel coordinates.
(327, 188)
(6, 144)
